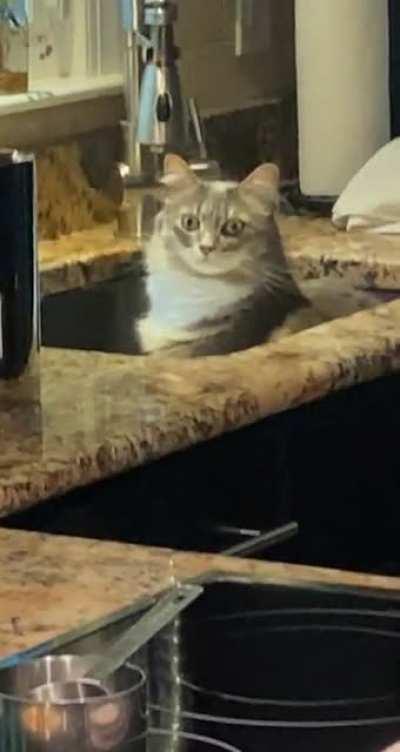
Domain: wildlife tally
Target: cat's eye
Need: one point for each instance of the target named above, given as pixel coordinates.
(190, 222)
(233, 228)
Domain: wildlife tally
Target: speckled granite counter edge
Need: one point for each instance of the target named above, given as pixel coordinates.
(314, 247)
(52, 585)
(133, 410)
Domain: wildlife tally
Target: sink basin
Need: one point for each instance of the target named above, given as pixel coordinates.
(100, 316)
(256, 666)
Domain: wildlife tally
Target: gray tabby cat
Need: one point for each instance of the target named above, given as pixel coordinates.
(218, 279)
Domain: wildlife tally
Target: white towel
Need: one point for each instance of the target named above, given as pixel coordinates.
(371, 200)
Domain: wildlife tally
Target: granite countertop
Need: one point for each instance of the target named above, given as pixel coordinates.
(99, 414)
(51, 585)
(83, 258)
(317, 249)
(314, 246)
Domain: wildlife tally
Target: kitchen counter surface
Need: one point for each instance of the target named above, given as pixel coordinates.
(99, 414)
(314, 246)
(51, 585)
(317, 249)
(83, 258)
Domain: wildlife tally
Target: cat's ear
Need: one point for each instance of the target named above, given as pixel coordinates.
(263, 186)
(178, 173)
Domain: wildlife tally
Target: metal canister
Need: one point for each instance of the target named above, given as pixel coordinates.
(19, 279)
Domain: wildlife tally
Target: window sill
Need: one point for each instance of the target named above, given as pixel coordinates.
(59, 111)
(60, 92)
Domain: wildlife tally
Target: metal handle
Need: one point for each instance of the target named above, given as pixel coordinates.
(263, 541)
(198, 127)
(165, 610)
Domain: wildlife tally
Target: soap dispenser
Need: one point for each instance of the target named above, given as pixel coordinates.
(19, 298)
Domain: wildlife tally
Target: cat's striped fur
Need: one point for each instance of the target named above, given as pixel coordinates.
(218, 279)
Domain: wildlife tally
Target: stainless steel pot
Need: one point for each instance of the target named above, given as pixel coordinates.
(112, 719)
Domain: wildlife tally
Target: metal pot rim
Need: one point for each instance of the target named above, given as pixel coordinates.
(30, 702)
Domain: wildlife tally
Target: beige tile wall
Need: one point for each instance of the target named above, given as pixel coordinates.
(210, 70)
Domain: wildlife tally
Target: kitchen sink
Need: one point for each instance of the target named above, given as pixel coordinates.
(100, 316)
(258, 666)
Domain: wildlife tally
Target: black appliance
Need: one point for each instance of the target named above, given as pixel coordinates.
(266, 668)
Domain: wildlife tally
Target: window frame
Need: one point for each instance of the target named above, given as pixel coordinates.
(91, 75)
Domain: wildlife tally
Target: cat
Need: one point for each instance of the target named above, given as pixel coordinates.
(218, 278)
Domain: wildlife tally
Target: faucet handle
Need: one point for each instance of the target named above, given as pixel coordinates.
(198, 128)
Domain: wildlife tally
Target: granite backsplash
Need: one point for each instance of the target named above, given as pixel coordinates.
(265, 132)
(75, 177)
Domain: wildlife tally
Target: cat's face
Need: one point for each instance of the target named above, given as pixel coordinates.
(217, 228)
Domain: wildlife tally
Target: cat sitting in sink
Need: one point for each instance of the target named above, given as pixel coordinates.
(218, 279)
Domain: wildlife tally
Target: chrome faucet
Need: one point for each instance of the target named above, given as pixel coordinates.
(159, 117)
(163, 115)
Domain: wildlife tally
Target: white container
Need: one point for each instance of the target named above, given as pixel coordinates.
(342, 49)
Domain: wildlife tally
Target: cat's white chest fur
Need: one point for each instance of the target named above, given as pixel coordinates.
(178, 302)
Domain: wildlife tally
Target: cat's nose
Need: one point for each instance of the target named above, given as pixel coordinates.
(206, 249)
